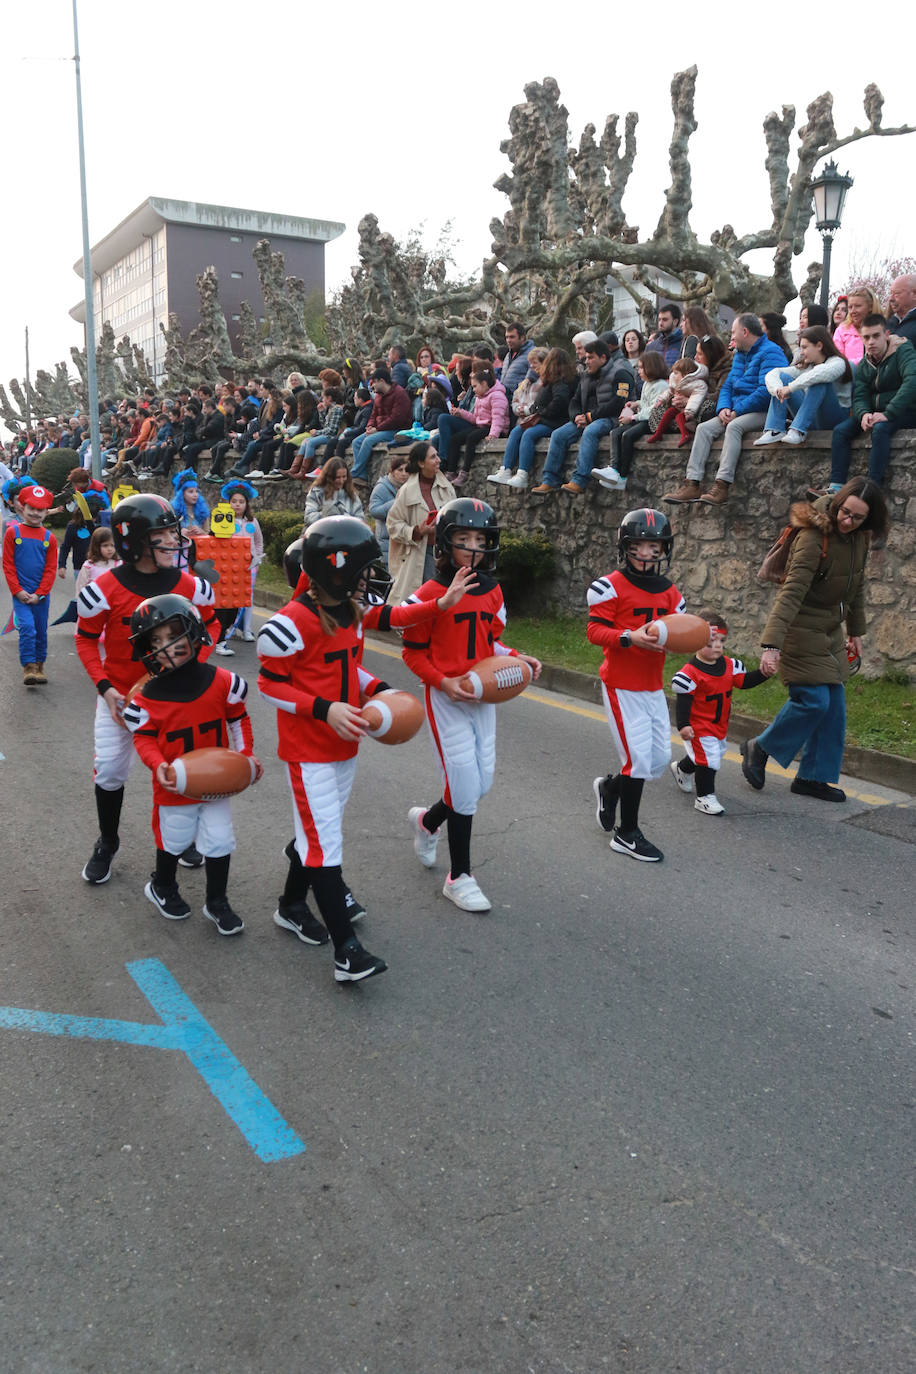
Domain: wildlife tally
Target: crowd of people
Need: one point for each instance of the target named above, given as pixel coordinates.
(142, 601)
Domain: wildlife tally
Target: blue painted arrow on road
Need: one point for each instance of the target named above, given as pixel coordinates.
(183, 1028)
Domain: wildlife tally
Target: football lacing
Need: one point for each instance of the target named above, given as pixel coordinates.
(510, 676)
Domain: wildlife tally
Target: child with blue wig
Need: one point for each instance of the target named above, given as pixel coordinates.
(188, 504)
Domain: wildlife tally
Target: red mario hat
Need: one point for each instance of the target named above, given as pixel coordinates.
(39, 497)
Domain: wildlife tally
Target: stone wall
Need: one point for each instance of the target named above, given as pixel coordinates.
(717, 549)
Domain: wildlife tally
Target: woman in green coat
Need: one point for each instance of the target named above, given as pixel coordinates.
(814, 633)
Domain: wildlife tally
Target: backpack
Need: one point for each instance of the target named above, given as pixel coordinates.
(776, 559)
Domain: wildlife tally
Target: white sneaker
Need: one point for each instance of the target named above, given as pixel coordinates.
(769, 436)
(794, 437)
(257, 473)
(607, 474)
(709, 805)
(425, 841)
(519, 482)
(683, 780)
(502, 478)
(224, 651)
(465, 893)
(248, 637)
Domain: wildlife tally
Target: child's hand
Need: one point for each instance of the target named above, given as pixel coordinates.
(453, 689)
(115, 703)
(165, 776)
(641, 639)
(346, 721)
(258, 769)
(533, 663)
(463, 581)
(686, 732)
(61, 572)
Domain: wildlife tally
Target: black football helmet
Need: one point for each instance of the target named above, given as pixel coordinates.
(168, 609)
(645, 523)
(136, 521)
(292, 562)
(337, 553)
(467, 513)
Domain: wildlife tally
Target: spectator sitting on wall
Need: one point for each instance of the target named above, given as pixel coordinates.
(515, 364)
(580, 342)
(391, 411)
(362, 401)
(668, 338)
(773, 325)
(697, 325)
(743, 402)
(398, 365)
(601, 394)
(848, 336)
(883, 400)
(489, 420)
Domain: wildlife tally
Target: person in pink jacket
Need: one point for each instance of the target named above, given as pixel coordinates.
(847, 336)
(490, 419)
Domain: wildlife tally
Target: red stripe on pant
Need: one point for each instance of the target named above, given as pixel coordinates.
(446, 795)
(315, 856)
(621, 732)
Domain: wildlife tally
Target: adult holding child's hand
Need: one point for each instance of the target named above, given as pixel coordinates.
(814, 635)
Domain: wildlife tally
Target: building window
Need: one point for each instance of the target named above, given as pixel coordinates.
(235, 238)
(236, 276)
(236, 319)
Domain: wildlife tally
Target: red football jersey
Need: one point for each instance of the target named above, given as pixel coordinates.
(710, 686)
(303, 671)
(106, 605)
(617, 603)
(459, 637)
(199, 706)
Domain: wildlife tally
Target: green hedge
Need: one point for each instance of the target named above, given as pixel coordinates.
(50, 468)
(279, 528)
(525, 560)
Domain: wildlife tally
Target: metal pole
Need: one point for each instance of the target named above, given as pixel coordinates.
(825, 271)
(28, 384)
(91, 377)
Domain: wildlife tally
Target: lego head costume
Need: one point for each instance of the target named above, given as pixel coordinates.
(122, 493)
(222, 520)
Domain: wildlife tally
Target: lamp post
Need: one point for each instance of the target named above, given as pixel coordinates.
(91, 379)
(829, 191)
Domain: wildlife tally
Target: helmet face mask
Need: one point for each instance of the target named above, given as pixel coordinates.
(336, 553)
(176, 614)
(464, 515)
(650, 526)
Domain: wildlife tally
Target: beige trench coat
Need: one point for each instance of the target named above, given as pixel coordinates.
(407, 555)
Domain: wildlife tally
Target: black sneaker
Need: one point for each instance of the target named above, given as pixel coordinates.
(299, 919)
(355, 910)
(606, 792)
(223, 917)
(98, 869)
(636, 845)
(169, 901)
(754, 763)
(352, 963)
(191, 857)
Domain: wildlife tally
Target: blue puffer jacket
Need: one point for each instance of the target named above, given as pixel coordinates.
(745, 388)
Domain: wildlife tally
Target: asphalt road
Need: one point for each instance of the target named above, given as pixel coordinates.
(636, 1119)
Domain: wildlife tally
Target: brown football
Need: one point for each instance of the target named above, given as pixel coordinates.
(679, 634)
(393, 717)
(208, 774)
(499, 678)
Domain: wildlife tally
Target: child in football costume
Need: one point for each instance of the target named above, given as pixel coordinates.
(310, 655)
(620, 607)
(29, 564)
(441, 653)
(703, 690)
(146, 538)
(185, 705)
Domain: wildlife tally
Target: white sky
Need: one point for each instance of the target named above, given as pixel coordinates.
(401, 111)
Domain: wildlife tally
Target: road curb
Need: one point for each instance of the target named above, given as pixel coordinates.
(890, 770)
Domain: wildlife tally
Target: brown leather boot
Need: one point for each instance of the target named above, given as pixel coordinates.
(38, 676)
(718, 493)
(686, 492)
(29, 678)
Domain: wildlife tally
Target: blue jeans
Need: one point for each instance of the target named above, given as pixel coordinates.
(520, 447)
(362, 449)
(813, 720)
(815, 407)
(589, 439)
(449, 427)
(881, 435)
(317, 441)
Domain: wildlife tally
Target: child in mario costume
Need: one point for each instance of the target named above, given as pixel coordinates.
(29, 565)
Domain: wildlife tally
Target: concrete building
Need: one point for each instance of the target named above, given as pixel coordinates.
(147, 267)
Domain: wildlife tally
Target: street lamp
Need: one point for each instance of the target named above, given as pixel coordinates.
(829, 192)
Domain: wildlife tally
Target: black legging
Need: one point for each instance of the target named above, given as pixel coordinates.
(623, 438)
